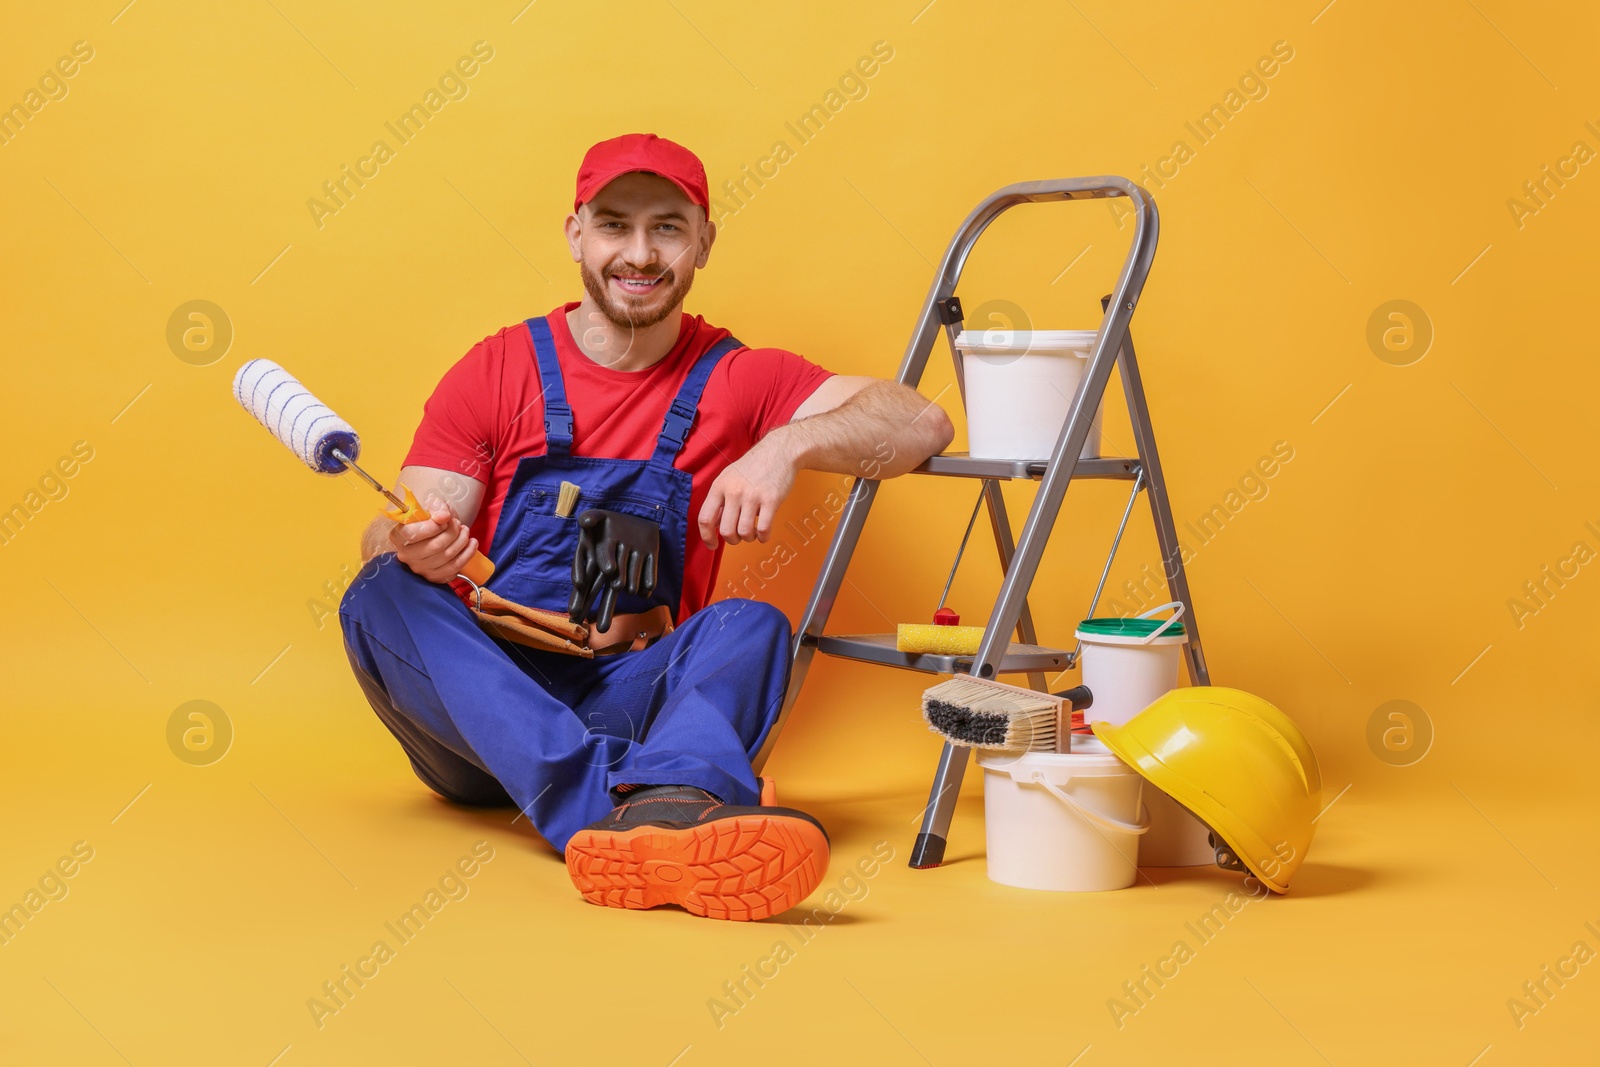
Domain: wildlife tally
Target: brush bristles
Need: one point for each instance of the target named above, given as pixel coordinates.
(986, 715)
(567, 499)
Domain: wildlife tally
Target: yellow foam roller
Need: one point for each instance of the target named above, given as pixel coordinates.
(938, 640)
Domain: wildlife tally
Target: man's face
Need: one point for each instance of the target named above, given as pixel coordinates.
(638, 243)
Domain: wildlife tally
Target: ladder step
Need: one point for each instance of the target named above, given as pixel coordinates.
(961, 465)
(879, 648)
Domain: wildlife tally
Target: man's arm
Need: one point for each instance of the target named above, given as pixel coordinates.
(848, 425)
(437, 548)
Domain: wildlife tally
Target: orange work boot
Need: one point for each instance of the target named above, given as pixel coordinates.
(676, 844)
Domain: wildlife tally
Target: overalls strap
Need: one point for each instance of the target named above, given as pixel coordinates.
(680, 414)
(557, 412)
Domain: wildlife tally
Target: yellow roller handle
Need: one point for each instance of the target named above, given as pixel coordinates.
(477, 570)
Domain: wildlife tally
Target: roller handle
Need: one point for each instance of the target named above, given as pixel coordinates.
(1078, 696)
(477, 570)
(1079, 699)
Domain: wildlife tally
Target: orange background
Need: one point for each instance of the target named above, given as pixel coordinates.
(185, 558)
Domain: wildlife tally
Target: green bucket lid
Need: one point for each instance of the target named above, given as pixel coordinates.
(1129, 627)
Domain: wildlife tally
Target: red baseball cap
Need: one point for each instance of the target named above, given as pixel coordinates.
(631, 152)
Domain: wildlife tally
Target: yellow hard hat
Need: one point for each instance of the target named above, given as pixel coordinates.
(1238, 764)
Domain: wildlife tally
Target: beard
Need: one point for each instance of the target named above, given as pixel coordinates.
(622, 312)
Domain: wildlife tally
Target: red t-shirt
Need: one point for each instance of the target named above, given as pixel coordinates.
(487, 413)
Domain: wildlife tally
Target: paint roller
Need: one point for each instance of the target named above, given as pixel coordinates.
(323, 441)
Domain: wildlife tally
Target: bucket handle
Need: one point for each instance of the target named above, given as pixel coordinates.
(1094, 816)
(1159, 630)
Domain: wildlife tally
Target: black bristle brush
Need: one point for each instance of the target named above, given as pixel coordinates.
(979, 713)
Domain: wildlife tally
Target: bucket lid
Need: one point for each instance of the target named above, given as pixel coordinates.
(1113, 627)
(1016, 342)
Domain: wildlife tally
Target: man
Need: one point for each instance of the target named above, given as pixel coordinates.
(634, 763)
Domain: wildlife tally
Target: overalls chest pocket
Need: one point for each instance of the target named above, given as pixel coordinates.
(546, 543)
(549, 540)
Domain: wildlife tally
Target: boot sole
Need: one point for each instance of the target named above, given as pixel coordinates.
(744, 868)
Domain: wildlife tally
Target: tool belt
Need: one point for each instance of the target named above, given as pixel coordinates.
(553, 631)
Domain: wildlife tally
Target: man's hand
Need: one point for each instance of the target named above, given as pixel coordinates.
(744, 499)
(435, 548)
(436, 488)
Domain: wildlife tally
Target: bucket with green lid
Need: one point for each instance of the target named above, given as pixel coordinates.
(1128, 663)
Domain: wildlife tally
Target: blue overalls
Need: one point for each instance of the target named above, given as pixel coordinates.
(489, 722)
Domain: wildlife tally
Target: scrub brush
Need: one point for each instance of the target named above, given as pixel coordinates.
(982, 714)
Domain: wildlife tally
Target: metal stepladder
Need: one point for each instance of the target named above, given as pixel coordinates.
(997, 653)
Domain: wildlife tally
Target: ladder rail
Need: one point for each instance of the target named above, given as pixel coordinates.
(928, 851)
(1108, 343)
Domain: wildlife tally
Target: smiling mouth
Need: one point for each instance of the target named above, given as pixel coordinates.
(637, 284)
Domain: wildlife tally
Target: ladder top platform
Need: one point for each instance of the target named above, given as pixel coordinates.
(879, 648)
(961, 465)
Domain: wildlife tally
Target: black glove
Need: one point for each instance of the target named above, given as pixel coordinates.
(615, 551)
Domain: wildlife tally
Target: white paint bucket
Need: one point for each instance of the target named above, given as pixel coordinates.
(1127, 665)
(1176, 838)
(1020, 385)
(1069, 822)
